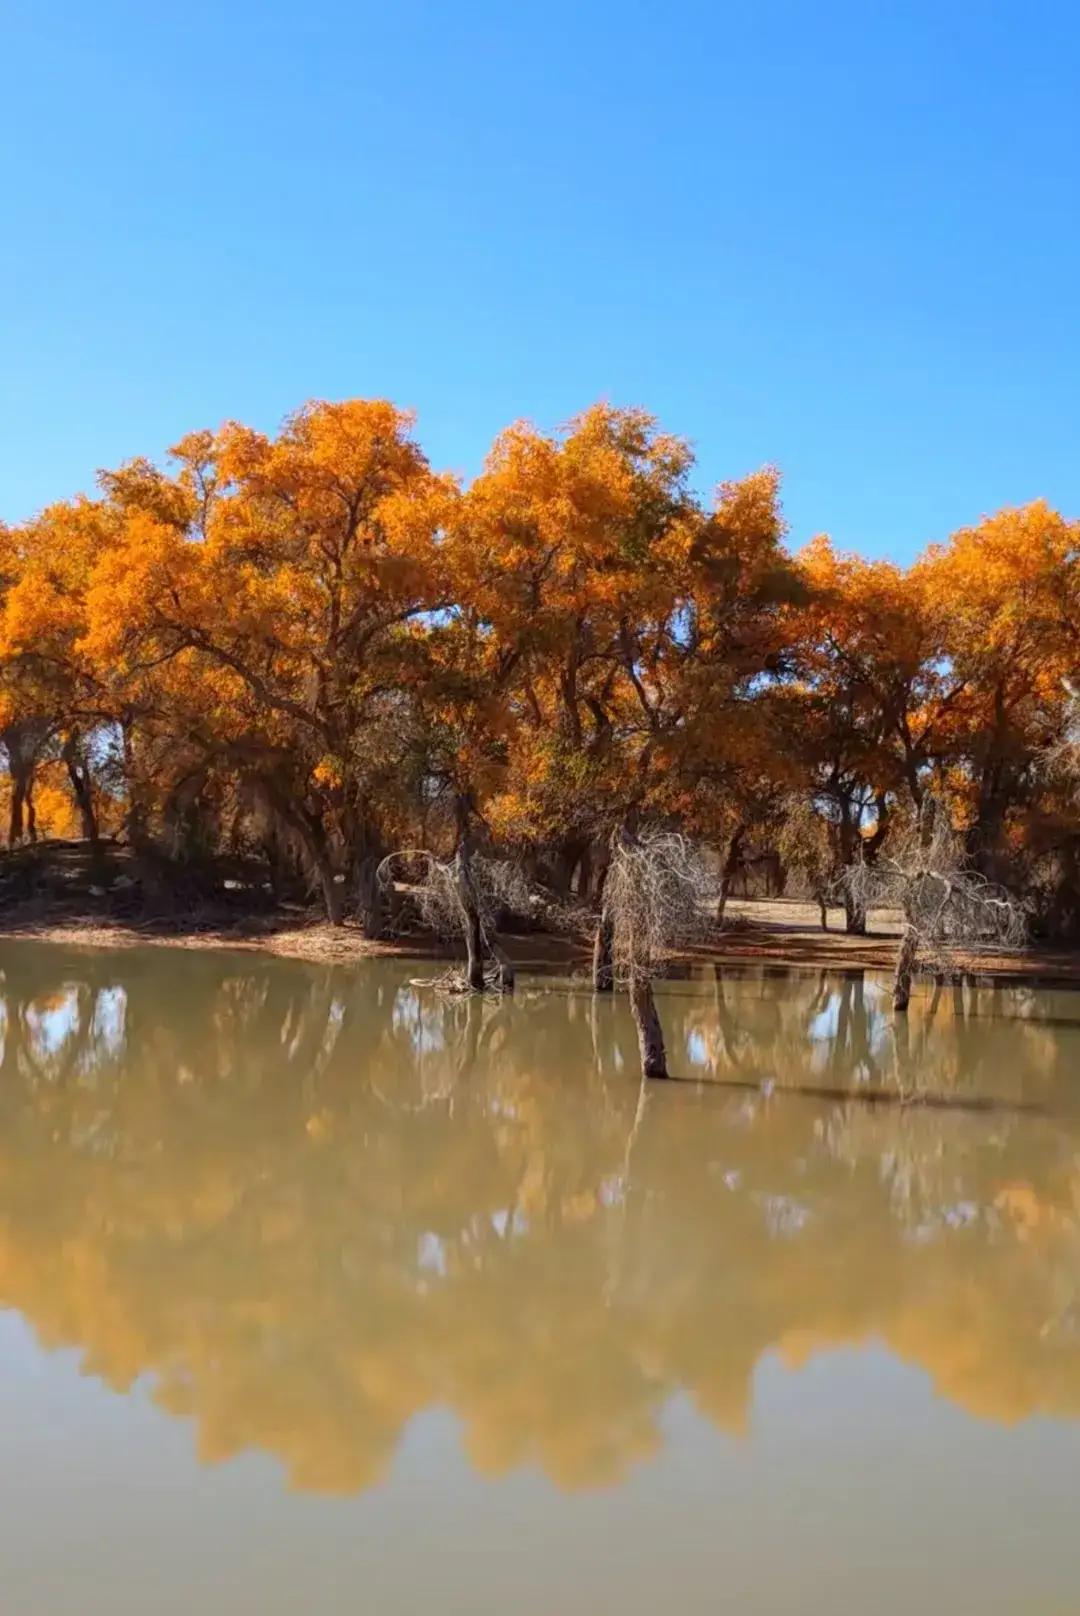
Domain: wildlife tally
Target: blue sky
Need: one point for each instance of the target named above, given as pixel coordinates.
(841, 237)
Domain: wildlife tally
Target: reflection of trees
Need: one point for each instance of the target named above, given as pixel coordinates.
(308, 1202)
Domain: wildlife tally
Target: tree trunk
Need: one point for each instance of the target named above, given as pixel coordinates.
(824, 908)
(602, 965)
(649, 1031)
(504, 971)
(854, 916)
(368, 896)
(584, 874)
(472, 926)
(15, 822)
(79, 777)
(309, 831)
(23, 742)
(312, 838)
(479, 948)
(732, 860)
(332, 892)
(851, 856)
(136, 819)
(905, 969)
(275, 863)
(563, 867)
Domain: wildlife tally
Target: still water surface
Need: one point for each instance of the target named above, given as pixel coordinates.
(321, 1293)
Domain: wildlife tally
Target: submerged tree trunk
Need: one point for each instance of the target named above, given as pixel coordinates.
(603, 961)
(470, 908)
(649, 1032)
(905, 968)
(909, 944)
(479, 947)
(504, 971)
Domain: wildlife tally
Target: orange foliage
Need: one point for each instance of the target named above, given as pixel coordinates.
(351, 649)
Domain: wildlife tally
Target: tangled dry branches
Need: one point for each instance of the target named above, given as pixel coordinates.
(459, 898)
(944, 901)
(657, 891)
(498, 887)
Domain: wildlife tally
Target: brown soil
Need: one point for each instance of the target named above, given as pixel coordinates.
(775, 932)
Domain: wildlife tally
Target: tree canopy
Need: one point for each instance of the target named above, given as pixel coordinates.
(314, 648)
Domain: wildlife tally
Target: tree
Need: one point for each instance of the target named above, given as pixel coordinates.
(806, 843)
(945, 902)
(1010, 590)
(655, 894)
(866, 699)
(55, 704)
(567, 544)
(261, 603)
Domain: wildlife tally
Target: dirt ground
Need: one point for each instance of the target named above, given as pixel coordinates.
(778, 932)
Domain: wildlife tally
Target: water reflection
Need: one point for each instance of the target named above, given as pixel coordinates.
(310, 1202)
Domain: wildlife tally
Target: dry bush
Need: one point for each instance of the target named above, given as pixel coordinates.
(441, 894)
(498, 885)
(944, 901)
(657, 891)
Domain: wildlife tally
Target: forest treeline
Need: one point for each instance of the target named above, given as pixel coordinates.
(313, 649)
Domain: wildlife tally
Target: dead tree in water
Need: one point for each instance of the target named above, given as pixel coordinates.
(461, 898)
(654, 897)
(944, 902)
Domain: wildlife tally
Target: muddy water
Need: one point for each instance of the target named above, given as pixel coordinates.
(322, 1293)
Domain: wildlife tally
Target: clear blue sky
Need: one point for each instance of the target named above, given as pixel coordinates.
(844, 237)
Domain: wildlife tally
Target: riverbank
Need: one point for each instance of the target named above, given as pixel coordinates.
(770, 932)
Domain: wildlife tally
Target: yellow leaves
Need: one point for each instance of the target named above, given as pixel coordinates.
(1009, 594)
(140, 487)
(573, 631)
(748, 512)
(34, 611)
(136, 580)
(54, 808)
(1009, 583)
(327, 773)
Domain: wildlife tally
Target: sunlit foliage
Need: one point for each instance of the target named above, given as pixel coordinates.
(312, 649)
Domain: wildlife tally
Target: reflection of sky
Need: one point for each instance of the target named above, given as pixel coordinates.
(431, 1253)
(826, 1024)
(697, 1050)
(864, 1004)
(848, 1461)
(421, 1019)
(51, 1024)
(110, 1015)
